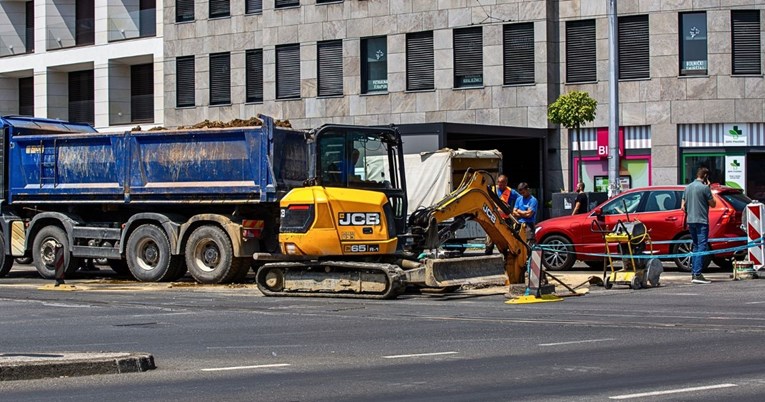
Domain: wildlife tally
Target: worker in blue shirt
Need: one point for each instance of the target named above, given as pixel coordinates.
(525, 211)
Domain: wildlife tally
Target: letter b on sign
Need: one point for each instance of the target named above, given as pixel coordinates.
(602, 150)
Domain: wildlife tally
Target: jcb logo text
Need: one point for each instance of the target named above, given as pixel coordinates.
(358, 218)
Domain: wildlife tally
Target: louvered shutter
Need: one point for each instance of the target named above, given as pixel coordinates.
(468, 57)
(288, 71)
(746, 42)
(220, 78)
(286, 3)
(219, 8)
(184, 10)
(419, 61)
(518, 53)
(81, 96)
(184, 81)
(142, 93)
(581, 64)
(330, 54)
(254, 75)
(26, 96)
(634, 48)
(253, 6)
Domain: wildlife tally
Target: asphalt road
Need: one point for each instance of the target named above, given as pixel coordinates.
(676, 342)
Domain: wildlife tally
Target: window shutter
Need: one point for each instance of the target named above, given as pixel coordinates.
(330, 54)
(81, 96)
(419, 61)
(254, 75)
(184, 81)
(746, 42)
(26, 96)
(288, 71)
(220, 78)
(219, 8)
(518, 53)
(286, 3)
(142, 93)
(634, 48)
(253, 6)
(468, 57)
(184, 10)
(581, 64)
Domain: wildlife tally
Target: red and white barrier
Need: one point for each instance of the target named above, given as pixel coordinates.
(755, 212)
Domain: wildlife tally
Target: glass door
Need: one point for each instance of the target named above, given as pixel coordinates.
(714, 161)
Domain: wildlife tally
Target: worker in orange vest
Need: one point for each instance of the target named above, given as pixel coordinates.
(508, 195)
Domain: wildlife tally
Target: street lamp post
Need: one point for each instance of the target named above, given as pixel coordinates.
(614, 186)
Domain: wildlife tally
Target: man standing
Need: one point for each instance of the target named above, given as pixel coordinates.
(507, 195)
(580, 205)
(697, 199)
(526, 211)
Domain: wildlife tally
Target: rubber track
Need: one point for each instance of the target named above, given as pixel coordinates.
(394, 273)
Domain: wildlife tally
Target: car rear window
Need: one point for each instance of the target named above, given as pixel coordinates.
(737, 200)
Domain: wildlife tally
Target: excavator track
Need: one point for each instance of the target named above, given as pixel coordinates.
(354, 280)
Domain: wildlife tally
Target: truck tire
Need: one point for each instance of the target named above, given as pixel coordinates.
(44, 252)
(210, 256)
(149, 257)
(6, 261)
(24, 260)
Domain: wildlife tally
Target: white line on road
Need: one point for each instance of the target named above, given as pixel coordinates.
(246, 367)
(755, 302)
(420, 355)
(575, 342)
(672, 391)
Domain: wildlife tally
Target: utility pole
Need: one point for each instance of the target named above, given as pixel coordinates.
(613, 101)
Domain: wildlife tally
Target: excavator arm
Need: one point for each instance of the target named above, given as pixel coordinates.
(475, 200)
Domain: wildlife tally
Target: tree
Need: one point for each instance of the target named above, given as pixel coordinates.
(573, 110)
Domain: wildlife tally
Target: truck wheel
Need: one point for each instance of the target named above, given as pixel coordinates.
(24, 260)
(44, 252)
(6, 261)
(148, 255)
(558, 254)
(210, 257)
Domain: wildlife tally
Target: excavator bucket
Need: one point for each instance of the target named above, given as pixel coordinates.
(465, 270)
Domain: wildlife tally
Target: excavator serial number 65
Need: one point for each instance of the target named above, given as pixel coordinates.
(346, 233)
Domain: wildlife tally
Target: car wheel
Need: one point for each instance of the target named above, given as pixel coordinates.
(684, 246)
(558, 253)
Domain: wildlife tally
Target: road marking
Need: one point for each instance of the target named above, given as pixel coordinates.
(672, 391)
(575, 342)
(420, 355)
(246, 367)
(756, 302)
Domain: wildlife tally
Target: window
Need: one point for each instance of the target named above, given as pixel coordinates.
(29, 40)
(147, 19)
(630, 201)
(184, 81)
(662, 201)
(746, 41)
(84, 19)
(693, 43)
(518, 53)
(419, 61)
(220, 78)
(288, 71)
(374, 65)
(328, 1)
(184, 10)
(634, 50)
(219, 8)
(81, 96)
(253, 6)
(330, 61)
(142, 93)
(286, 3)
(27, 96)
(468, 57)
(581, 64)
(254, 75)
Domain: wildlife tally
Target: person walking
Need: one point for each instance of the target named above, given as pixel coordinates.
(507, 195)
(525, 211)
(580, 205)
(697, 199)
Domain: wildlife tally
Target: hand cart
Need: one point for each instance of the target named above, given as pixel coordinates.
(630, 238)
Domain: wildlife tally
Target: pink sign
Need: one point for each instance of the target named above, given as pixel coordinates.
(603, 142)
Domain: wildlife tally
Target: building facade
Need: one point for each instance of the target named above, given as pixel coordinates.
(90, 61)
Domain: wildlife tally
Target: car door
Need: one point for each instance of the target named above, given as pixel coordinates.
(613, 211)
(662, 216)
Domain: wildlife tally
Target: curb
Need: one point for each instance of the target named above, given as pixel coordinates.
(28, 366)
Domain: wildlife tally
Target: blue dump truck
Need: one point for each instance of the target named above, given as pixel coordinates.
(155, 204)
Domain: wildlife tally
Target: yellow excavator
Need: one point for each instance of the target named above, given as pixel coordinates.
(346, 233)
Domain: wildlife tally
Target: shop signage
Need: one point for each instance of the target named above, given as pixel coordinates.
(735, 135)
(602, 142)
(735, 168)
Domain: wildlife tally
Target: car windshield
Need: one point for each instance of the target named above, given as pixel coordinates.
(737, 200)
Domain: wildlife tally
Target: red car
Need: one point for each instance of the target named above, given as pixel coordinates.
(658, 207)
